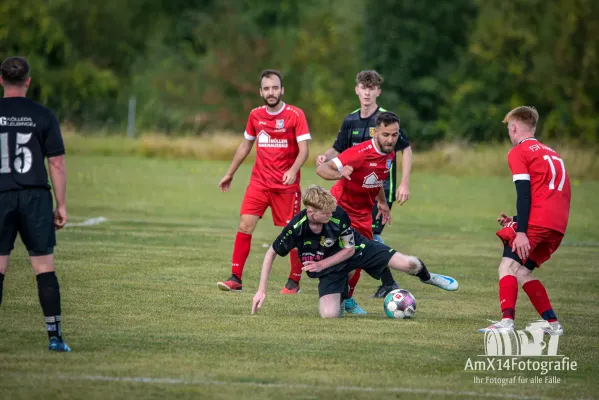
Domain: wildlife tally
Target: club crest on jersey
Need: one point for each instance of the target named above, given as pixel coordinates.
(326, 242)
(372, 181)
(280, 123)
(389, 164)
(371, 131)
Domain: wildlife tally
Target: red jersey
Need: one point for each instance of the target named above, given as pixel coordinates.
(277, 147)
(549, 183)
(371, 168)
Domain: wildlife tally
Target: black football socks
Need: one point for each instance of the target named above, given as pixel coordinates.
(49, 294)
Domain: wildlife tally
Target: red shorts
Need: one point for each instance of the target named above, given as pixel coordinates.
(543, 241)
(362, 225)
(283, 205)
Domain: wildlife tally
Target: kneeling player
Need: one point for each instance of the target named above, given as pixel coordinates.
(330, 249)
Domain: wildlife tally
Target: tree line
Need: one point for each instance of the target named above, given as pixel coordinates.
(452, 69)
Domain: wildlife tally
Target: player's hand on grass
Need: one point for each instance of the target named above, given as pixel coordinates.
(402, 194)
(346, 171)
(225, 183)
(384, 212)
(60, 217)
(289, 177)
(504, 219)
(521, 245)
(258, 301)
(321, 159)
(313, 266)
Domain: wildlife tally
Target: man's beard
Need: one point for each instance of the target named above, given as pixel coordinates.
(384, 149)
(278, 100)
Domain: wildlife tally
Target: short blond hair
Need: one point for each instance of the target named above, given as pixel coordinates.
(319, 198)
(526, 115)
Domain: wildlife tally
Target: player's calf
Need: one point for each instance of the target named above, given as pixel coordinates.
(416, 267)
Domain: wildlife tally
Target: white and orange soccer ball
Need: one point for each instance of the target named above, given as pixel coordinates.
(400, 303)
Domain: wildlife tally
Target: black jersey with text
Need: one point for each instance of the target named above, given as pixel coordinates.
(335, 235)
(356, 130)
(29, 132)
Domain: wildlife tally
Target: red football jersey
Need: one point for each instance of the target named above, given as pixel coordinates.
(277, 136)
(371, 168)
(549, 183)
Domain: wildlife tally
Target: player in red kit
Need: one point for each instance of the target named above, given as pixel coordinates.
(281, 134)
(543, 207)
(361, 171)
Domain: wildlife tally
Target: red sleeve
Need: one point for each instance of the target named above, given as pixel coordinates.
(250, 131)
(351, 157)
(518, 165)
(301, 127)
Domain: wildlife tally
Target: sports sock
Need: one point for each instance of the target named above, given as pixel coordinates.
(1, 286)
(508, 294)
(423, 274)
(387, 277)
(295, 273)
(241, 251)
(49, 294)
(354, 281)
(538, 297)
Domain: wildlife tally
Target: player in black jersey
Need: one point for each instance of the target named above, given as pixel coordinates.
(358, 127)
(330, 249)
(29, 133)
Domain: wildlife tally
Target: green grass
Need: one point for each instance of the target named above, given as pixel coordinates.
(140, 300)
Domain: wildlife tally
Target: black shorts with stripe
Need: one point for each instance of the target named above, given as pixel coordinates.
(372, 257)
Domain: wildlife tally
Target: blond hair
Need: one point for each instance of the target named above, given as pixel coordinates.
(319, 198)
(525, 115)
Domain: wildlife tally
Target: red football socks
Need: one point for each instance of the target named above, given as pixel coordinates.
(241, 251)
(295, 274)
(538, 297)
(508, 294)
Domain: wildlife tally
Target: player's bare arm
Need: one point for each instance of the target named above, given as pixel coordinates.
(383, 207)
(327, 156)
(260, 295)
(58, 175)
(330, 172)
(337, 258)
(290, 176)
(403, 191)
(240, 154)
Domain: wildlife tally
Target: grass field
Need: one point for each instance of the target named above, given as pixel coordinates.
(145, 320)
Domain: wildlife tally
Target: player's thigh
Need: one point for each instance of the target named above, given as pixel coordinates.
(255, 201)
(9, 221)
(37, 222)
(335, 282)
(548, 242)
(284, 206)
(373, 257)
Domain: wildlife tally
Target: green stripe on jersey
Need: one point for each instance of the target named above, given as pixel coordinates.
(335, 220)
(300, 222)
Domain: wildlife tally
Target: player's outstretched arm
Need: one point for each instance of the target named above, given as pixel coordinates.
(327, 156)
(240, 154)
(403, 191)
(260, 295)
(290, 176)
(58, 176)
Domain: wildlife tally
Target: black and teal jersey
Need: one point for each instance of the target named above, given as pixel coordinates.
(336, 235)
(356, 130)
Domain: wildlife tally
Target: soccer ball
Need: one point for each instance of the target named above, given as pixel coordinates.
(400, 303)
